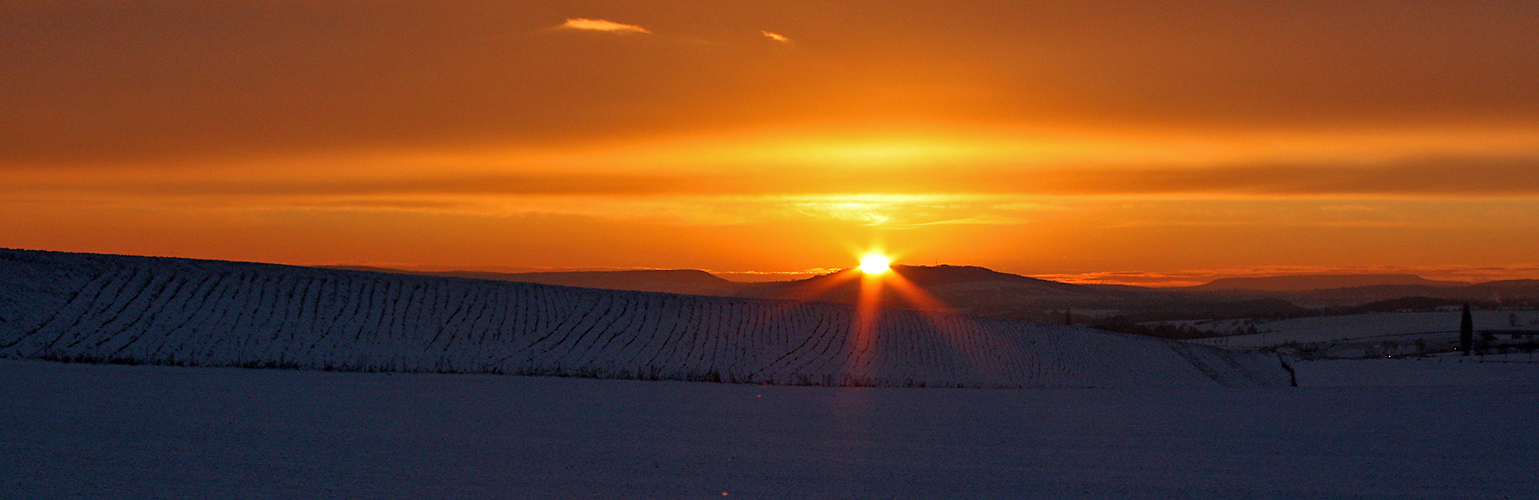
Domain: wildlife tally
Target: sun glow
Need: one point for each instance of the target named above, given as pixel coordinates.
(874, 263)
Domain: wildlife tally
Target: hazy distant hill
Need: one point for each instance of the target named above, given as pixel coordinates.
(1298, 283)
(87, 307)
(936, 279)
(947, 275)
(1495, 293)
(983, 292)
(1506, 288)
(966, 289)
(960, 289)
(963, 289)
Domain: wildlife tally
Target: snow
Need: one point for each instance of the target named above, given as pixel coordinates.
(86, 307)
(1435, 371)
(110, 431)
(1107, 415)
(1442, 325)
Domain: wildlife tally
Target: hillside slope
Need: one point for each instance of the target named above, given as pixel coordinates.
(212, 313)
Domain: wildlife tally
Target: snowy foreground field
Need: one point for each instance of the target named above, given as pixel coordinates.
(1355, 429)
(1442, 325)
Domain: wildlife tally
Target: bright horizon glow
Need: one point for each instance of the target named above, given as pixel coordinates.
(874, 263)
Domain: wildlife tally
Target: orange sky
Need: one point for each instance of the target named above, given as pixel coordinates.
(1081, 140)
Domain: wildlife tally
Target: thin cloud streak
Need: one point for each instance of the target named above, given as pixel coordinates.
(775, 36)
(603, 25)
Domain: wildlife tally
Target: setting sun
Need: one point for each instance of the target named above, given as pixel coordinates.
(874, 264)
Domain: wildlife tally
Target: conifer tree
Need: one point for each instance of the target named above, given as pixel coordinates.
(1466, 330)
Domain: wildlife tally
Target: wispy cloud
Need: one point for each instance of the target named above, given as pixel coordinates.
(776, 36)
(602, 25)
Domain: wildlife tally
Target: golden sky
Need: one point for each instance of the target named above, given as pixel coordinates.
(1114, 141)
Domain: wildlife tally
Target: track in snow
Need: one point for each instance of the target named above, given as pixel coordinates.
(85, 307)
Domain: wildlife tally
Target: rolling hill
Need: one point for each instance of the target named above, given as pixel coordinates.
(104, 308)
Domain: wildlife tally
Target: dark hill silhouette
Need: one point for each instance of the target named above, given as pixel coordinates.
(1496, 293)
(934, 278)
(938, 276)
(1407, 304)
(1529, 288)
(964, 289)
(968, 290)
(1300, 283)
(984, 292)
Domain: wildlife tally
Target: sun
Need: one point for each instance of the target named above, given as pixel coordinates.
(874, 263)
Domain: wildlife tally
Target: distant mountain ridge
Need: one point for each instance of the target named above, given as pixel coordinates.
(948, 274)
(984, 292)
(699, 282)
(1306, 282)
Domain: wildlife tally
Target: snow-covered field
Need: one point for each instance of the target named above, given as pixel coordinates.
(210, 313)
(1406, 325)
(1110, 416)
(1399, 429)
